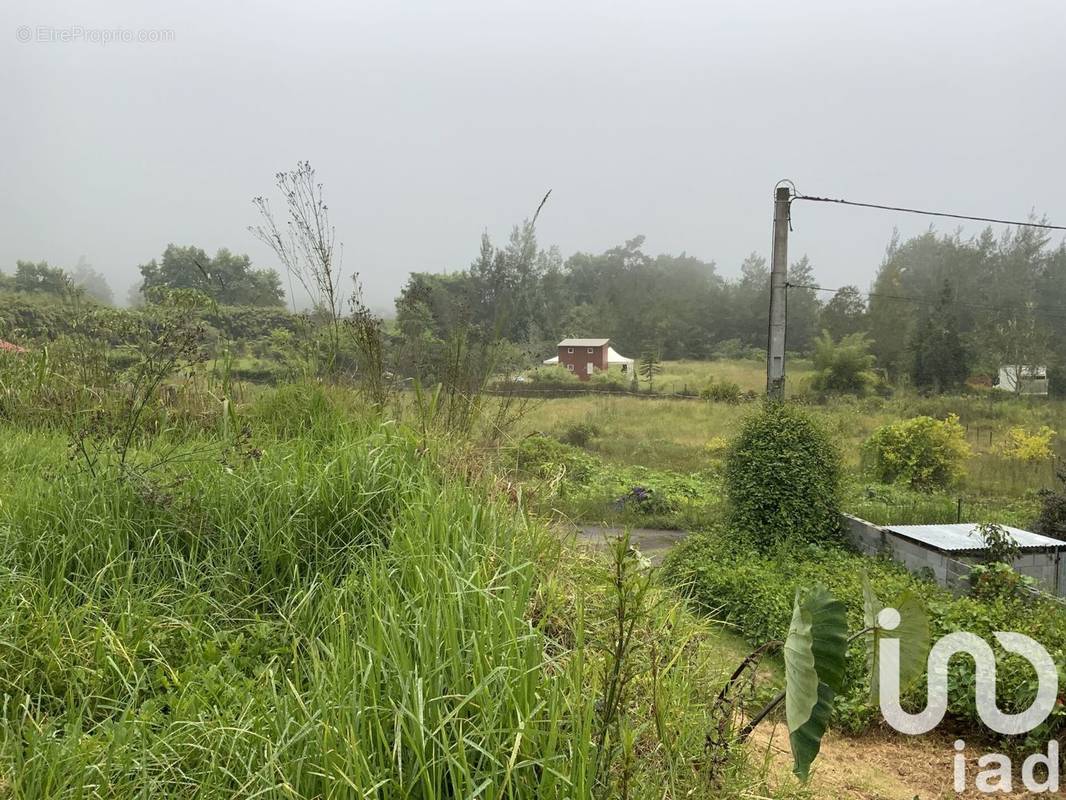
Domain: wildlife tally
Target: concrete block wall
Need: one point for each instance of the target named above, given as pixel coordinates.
(1048, 569)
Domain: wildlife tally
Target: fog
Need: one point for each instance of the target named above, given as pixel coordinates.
(429, 123)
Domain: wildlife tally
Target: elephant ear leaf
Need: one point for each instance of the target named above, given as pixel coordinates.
(801, 678)
(871, 607)
(820, 622)
(913, 635)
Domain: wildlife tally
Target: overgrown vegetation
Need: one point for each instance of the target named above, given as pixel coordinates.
(754, 591)
(782, 478)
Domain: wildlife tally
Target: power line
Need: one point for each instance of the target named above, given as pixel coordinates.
(918, 300)
(841, 201)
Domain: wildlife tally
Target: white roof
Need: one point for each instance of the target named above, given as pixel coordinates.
(1026, 371)
(964, 537)
(583, 342)
(612, 358)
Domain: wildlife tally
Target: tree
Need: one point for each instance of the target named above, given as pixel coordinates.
(939, 358)
(40, 278)
(649, 366)
(306, 246)
(803, 306)
(845, 366)
(1017, 340)
(844, 314)
(91, 282)
(749, 302)
(227, 278)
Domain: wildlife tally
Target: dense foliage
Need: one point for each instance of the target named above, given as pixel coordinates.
(754, 590)
(782, 478)
(922, 452)
(227, 278)
(679, 306)
(1052, 519)
(844, 367)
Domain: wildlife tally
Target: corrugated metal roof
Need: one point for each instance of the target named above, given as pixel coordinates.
(583, 342)
(964, 537)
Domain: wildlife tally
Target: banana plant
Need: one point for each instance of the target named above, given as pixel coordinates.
(815, 654)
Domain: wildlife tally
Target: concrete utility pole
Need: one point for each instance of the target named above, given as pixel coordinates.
(775, 350)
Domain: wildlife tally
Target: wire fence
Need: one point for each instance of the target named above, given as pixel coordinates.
(933, 511)
(676, 392)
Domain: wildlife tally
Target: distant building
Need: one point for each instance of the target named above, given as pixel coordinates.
(1023, 380)
(583, 357)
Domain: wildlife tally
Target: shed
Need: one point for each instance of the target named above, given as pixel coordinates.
(950, 550)
(1023, 379)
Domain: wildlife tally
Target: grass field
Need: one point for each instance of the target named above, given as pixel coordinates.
(316, 598)
(690, 435)
(341, 606)
(748, 374)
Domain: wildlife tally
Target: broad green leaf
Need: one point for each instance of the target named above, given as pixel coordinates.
(801, 678)
(871, 605)
(829, 642)
(913, 635)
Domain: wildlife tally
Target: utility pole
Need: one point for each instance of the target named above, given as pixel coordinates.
(775, 350)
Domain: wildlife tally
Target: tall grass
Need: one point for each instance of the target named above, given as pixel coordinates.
(329, 614)
(329, 621)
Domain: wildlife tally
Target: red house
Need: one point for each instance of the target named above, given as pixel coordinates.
(583, 356)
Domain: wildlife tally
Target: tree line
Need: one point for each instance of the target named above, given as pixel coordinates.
(942, 308)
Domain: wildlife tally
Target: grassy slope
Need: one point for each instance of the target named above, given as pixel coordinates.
(253, 631)
(336, 619)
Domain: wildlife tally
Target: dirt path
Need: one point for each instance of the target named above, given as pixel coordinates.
(881, 765)
(652, 542)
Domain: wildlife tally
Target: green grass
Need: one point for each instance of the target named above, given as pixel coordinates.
(690, 436)
(749, 374)
(335, 614)
(327, 620)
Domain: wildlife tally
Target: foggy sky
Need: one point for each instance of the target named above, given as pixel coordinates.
(429, 122)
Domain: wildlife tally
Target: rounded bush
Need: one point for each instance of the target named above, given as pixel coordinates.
(783, 479)
(922, 452)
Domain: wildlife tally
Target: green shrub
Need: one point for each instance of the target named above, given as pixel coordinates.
(923, 452)
(1029, 448)
(754, 590)
(579, 434)
(844, 367)
(782, 478)
(1052, 519)
(542, 457)
(722, 392)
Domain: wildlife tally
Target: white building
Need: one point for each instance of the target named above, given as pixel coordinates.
(1023, 379)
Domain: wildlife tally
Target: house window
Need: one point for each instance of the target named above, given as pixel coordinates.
(591, 349)
(569, 349)
(570, 367)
